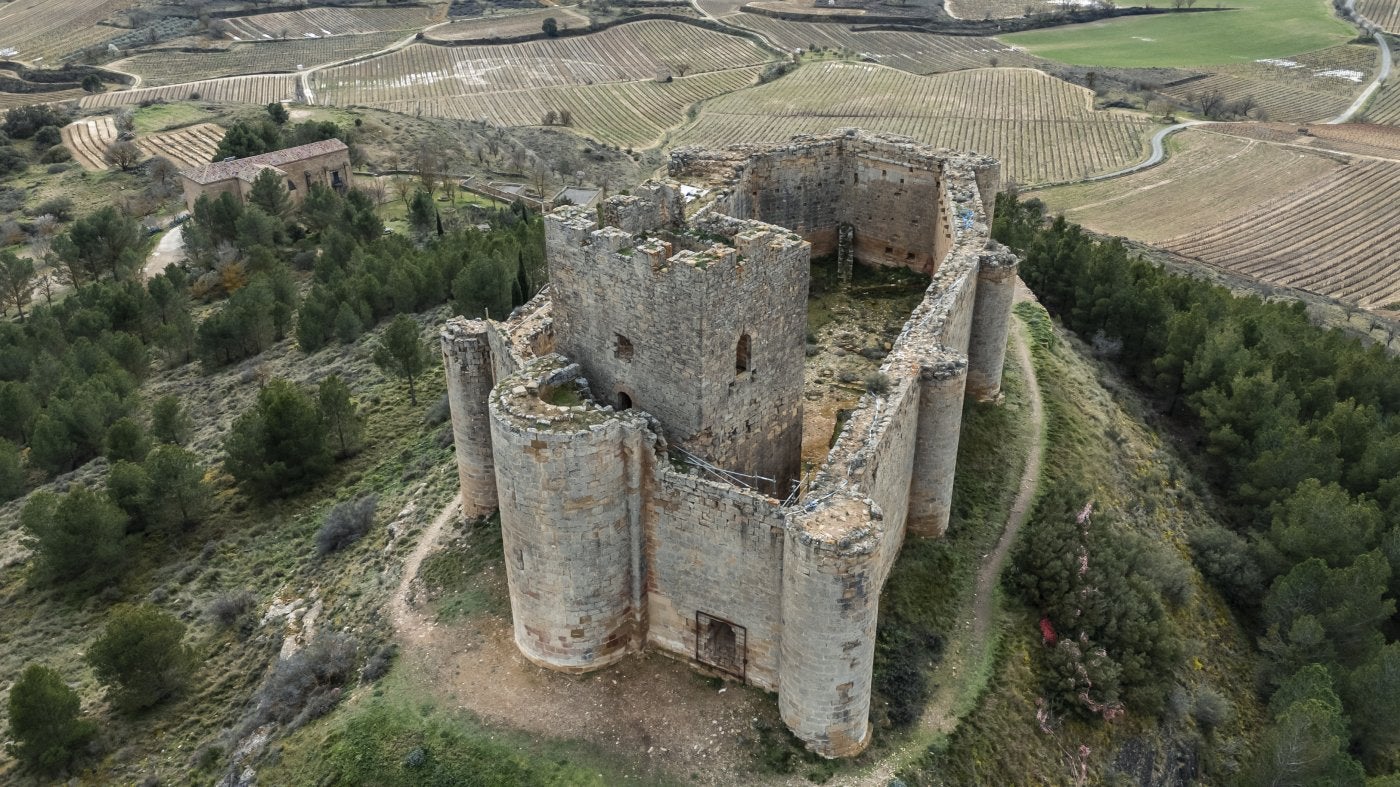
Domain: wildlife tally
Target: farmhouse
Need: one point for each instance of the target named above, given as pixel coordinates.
(326, 162)
(639, 423)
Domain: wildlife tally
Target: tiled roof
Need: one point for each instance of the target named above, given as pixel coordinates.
(248, 168)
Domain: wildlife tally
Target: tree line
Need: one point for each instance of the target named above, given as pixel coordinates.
(1298, 430)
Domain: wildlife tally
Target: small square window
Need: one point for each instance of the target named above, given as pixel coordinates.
(622, 347)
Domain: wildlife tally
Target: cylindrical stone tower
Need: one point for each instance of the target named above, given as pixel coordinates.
(569, 522)
(466, 357)
(942, 380)
(991, 321)
(831, 598)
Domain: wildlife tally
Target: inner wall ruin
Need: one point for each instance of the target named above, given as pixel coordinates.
(638, 424)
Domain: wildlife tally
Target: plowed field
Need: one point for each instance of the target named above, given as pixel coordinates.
(324, 22)
(87, 140)
(232, 90)
(171, 68)
(621, 54)
(1042, 129)
(629, 114)
(917, 53)
(186, 147)
(1208, 178)
(1339, 236)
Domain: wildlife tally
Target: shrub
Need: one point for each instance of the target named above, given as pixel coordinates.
(378, 663)
(78, 538)
(307, 684)
(44, 721)
(346, 523)
(227, 608)
(280, 446)
(1210, 709)
(1228, 563)
(60, 208)
(877, 383)
(56, 155)
(11, 471)
(48, 136)
(140, 657)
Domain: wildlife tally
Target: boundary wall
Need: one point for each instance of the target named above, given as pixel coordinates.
(616, 539)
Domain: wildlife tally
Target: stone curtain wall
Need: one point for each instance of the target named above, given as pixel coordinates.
(610, 546)
(718, 549)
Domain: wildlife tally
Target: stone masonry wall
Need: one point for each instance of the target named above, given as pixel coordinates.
(661, 329)
(611, 542)
(717, 549)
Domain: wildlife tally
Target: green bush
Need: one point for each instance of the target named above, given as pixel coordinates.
(44, 720)
(279, 446)
(141, 657)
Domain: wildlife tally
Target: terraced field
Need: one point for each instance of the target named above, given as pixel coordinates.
(87, 140)
(1209, 177)
(170, 68)
(262, 89)
(917, 53)
(1339, 236)
(43, 31)
(505, 25)
(1002, 9)
(187, 147)
(1042, 129)
(625, 53)
(1385, 13)
(628, 114)
(324, 22)
(12, 100)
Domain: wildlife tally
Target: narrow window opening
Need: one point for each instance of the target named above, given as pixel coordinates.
(742, 360)
(624, 402)
(889, 250)
(622, 348)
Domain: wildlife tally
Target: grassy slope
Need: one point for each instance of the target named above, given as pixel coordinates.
(1095, 433)
(1250, 30)
(268, 550)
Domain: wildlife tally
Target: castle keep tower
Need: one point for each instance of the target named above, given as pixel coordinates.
(639, 423)
(702, 326)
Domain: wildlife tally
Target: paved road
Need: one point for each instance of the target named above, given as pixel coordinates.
(1381, 75)
(1159, 151)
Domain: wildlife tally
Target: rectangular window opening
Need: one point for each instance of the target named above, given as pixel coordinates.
(622, 348)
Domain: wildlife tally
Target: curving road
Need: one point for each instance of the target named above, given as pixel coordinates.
(1381, 75)
(1159, 151)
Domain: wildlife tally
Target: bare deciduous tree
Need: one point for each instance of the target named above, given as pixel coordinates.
(124, 155)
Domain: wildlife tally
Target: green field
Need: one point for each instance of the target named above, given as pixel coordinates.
(1249, 30)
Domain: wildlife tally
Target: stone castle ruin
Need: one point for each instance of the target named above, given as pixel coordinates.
(639, 423)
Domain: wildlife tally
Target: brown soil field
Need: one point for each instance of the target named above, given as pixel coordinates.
(12, 100)
(325, 22)
(1043, 129)
(1359, 139)
(917, 53)
(627, 114)
(1338, 236)
(172, 68)
(505, 25)
(42, 31)
(187, 147)
(1384, 107)
(231, 90)
(1385, 13)
(1313, 86)
(87, 140)
(625, 53)
(1207, 178)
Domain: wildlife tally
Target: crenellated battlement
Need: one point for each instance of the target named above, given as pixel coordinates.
(642, 417)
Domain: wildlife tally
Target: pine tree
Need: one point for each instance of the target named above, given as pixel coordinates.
(45, 719)
(403, 353)
(339, 412)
